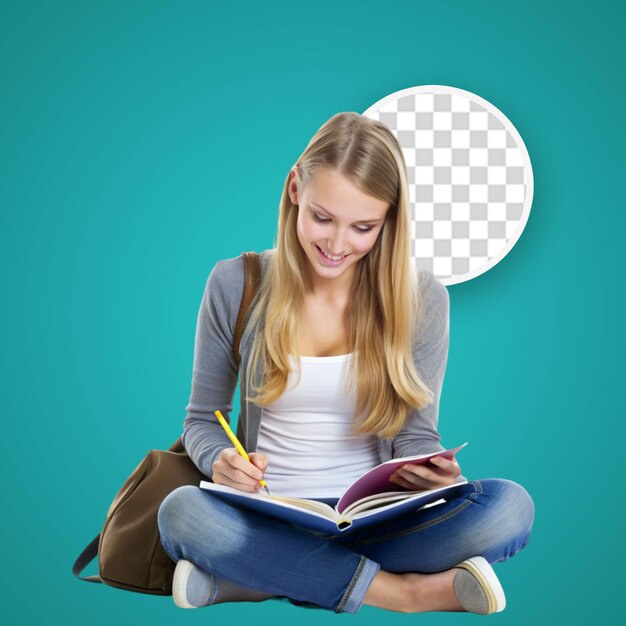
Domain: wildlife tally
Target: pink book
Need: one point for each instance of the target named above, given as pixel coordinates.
(376, 480)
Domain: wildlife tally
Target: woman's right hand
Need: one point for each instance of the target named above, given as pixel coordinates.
(232, 470)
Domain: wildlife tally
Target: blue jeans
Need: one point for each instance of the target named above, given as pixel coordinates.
(492, 517)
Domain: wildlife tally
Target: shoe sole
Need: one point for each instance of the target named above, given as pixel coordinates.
(486, 576)
(179, 584)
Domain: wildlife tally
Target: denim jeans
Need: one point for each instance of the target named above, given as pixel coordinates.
(491, 517)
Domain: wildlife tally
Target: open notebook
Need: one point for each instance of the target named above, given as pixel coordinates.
(370, 499)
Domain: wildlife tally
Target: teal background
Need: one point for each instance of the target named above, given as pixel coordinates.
(140, 142)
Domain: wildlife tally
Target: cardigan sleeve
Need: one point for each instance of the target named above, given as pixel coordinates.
(215, 371)
(430, 352)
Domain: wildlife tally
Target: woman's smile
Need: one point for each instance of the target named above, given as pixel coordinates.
(328, 261)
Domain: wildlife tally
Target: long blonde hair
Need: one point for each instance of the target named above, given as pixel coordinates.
(384, 306)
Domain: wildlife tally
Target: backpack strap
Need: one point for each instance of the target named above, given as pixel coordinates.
(252, 280)
(86, 557)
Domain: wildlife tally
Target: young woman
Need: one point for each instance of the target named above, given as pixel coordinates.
(345, 350)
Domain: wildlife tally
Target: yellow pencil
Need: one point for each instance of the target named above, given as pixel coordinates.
(238, 446)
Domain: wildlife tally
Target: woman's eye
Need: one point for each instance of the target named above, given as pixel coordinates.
(317, 218)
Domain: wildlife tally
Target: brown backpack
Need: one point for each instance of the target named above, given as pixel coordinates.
(129, 550)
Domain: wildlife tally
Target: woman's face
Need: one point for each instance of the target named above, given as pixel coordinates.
(335, 218)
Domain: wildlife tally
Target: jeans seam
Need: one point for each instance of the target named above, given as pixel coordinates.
(423, 525)
(212, 587)
(168, 549)
(346, 595)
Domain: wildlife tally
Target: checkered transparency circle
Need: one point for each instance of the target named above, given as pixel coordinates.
(469, 174)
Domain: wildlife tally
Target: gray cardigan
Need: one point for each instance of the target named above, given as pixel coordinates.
(215, 372)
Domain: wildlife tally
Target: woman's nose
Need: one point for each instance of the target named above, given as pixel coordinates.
(336, 244)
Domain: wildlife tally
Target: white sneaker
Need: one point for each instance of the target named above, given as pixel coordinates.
(191, 586)
(477, 587)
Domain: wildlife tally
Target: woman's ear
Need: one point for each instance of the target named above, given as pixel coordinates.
(293, 184)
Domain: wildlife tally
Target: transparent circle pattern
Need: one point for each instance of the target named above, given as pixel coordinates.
(470, 178)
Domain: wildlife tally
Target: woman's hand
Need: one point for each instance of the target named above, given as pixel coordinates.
(437, 472)
(233, 470)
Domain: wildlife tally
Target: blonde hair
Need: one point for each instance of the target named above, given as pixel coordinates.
(384, 307)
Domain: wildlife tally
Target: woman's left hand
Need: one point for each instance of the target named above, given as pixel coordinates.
(437, 472)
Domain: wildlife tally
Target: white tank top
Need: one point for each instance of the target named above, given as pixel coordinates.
(306, 433)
